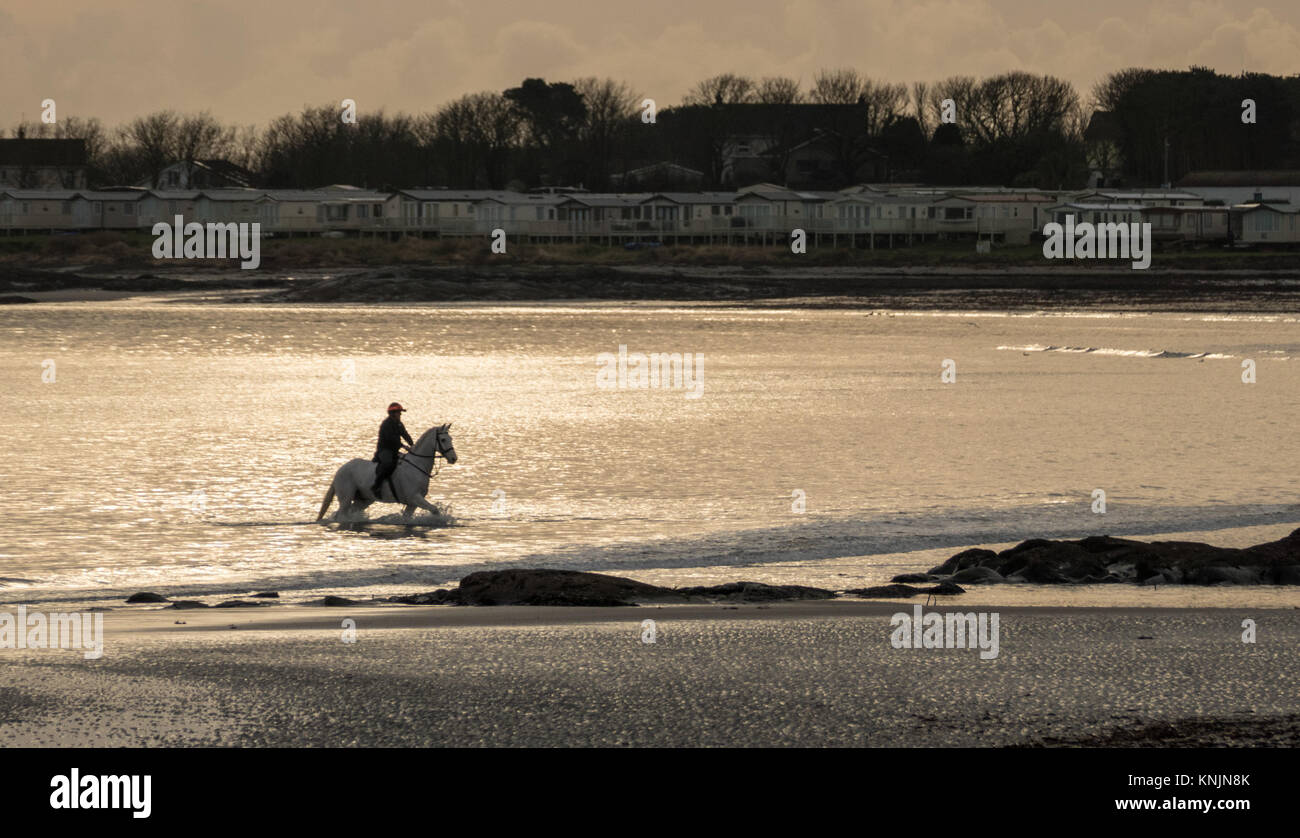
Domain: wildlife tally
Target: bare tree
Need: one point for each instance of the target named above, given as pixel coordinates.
(845, 86)
(921, 107)
(200, 137)
(154, 139)
(725, 89)
(611, 106)
(842, 86)
(778, 90)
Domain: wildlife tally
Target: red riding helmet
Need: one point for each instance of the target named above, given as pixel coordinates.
(395, 407)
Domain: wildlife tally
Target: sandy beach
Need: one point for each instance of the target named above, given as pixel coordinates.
(789, 674)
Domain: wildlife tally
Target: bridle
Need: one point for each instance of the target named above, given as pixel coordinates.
(436, 453)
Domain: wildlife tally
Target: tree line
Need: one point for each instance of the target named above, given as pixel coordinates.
(1011, 129)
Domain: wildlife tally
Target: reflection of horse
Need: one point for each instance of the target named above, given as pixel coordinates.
(354, 478)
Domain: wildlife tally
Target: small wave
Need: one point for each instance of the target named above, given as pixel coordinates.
(1117, 353)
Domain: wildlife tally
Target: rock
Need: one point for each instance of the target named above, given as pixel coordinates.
(442, 596)
(146, 596)
(555, 587)
(1104, 559)
(239, 603)
(189, 603)
(886, 592)
(977, 575)
(1286, 574)
(267, 595)
(338, 601)
(912, 577)
(1224, 575)
(966, 558)
(756, 592)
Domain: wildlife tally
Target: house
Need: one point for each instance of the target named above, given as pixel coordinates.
(1188, 224)
(43, 163)
(1096, 213)
(110, 209)
(768, 206)
(1266, 223)
(230, 206)
(600, 213)
(661, 175)
(44, 209)
(203, 174)
(1231, 188)
(445, 210)
(159, 205)
(1147, 198)
(1012, 217)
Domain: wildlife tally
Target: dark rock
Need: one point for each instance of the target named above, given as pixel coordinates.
(338, 601)
(966, 558)
(239, 603)
(977, 575)
(1288, 574)
(906, 591)
(912, 577)
(15, 299)
(1216, 575)
(189, 603)
(267, 595)
(1104, 559)
(555, 587)
(146, 596)
(886, 592)
(442, 596)
(756, 592)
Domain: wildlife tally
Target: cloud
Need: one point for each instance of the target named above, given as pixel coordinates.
(250, 61)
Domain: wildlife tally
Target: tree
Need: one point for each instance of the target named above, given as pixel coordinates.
(778, 90)
(552, 115)
(610, 110)
(725, 89)
(199, 137)
(154, 142)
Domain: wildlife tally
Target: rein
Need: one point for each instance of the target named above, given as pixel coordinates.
(436, 468)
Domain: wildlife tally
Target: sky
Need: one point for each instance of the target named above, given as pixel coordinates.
(248, 62)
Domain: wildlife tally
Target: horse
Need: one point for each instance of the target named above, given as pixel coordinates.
(354, 478)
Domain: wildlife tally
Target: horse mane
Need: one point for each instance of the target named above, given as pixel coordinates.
(428, 433)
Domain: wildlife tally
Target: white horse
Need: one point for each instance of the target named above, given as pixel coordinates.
(354, 478)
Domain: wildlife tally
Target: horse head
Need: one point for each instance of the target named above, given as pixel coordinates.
(445, 446)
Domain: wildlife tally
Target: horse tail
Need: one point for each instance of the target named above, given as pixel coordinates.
(329, 498)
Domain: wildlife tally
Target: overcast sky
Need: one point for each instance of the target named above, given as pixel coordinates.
(250, 61)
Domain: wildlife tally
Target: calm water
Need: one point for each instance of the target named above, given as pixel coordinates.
(186, 448)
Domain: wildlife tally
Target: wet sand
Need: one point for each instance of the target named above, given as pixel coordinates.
(796, 674)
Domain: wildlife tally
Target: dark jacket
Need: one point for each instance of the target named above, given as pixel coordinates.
(391, 434)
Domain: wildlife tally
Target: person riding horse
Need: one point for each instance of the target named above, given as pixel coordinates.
(391, 434)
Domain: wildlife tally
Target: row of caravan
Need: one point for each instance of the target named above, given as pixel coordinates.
(764, 212)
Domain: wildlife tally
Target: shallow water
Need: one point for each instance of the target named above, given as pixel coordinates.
(185, 448)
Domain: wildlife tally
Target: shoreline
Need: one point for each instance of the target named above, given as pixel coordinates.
(894, 288)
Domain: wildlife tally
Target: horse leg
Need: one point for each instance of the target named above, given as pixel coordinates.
(423, 503)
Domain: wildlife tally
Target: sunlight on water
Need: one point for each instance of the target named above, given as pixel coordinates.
(186, 448)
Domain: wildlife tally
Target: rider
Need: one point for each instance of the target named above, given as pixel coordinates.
(391, 434)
